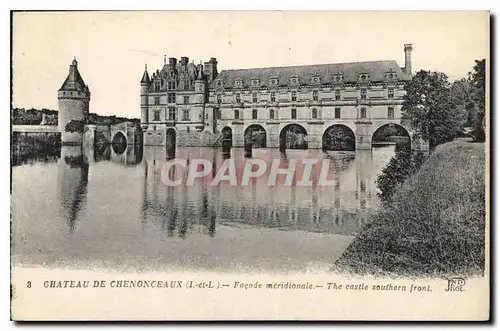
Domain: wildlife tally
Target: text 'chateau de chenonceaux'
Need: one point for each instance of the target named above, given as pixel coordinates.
(307, 106)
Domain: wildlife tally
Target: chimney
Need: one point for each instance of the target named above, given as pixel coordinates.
(172, 61)
(408, 49)
(184, 61)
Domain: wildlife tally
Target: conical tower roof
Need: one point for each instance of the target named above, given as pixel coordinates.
(74, 81)
(145, 77)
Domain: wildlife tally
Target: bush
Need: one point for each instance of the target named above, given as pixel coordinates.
(401, 166)
(74, 126)
(435, 223)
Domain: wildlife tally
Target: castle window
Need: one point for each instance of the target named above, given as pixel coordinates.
(271, 114)
(236, 114)
(171, 113)
(314, 114)
(185, 115)
(186, 99)
(363, 93)
(362, 186)
(390, 93)
(294, 113)
(294, 96)
(238, 97)
(219, 98)
(273, 96)
(157, 115)
(337, 112)
(337, 94)
(157, 100)
(363, 113)
(171, 85)
(157, 86)
(254, 114)
(171, 97)
(315, 95)
(254, 97)
(218, 114)
(390, 113)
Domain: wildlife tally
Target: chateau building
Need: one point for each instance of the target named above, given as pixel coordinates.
(329, 106)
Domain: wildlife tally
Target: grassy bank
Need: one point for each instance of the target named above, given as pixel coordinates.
(435, 223)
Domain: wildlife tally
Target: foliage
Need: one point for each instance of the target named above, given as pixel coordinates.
(434, 225)
(429, 109)
(477, 81)
(21, 116)
(339, 137)
(74, 126)
(401, 166)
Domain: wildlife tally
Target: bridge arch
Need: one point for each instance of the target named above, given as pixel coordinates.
(170, 138)
(256, 134)
(391, 133)
(119, 143)
(293, 136)
(227, 137)
(339, 137)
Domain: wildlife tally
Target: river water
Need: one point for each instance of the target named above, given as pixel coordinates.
(110, 208)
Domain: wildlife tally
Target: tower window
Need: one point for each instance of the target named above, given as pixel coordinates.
(171, 113)
(273, 96)
(186, 99)
(294, 113)
(363, 113)
(236, 114)
(157, 100)
(157, 115)
(238, 97)
(271, 114)
(363, 93)
(315, 95)
(337, 112)
(337, 94)
(390, 93)
(219, 98)
(185, 115)
(314, 114)
(390, 112)
(294, 96)
(254, 97)
(254, 114)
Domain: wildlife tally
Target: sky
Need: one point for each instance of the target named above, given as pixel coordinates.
(113, 47)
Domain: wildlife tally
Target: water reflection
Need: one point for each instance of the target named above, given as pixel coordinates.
(72, 182)
(341, 208)
(113, 206)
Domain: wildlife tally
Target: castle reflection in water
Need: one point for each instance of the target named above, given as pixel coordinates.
(178, 211)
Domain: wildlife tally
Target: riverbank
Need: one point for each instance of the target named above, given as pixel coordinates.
(435, 223)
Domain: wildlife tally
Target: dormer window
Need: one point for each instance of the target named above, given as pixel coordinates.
(218, 83)
(238, 82)
(255, 82)
(238, 97)
(390, 75)
(363, 77)
(294, 80)
(316, 79)
(273, 81)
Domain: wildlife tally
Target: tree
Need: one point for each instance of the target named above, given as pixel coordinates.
(477, 81)
(428, 108)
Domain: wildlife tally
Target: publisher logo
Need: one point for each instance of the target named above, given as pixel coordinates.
(455, 284)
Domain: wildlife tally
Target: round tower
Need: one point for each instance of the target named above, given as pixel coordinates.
(145, 83)
(199, 99)
(74, 98)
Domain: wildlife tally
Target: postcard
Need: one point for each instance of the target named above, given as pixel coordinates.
(250, 165)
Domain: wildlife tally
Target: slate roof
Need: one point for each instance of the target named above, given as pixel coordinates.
(326, 72)
(74, 81)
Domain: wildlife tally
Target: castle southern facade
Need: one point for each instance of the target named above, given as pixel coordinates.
(310, 106)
